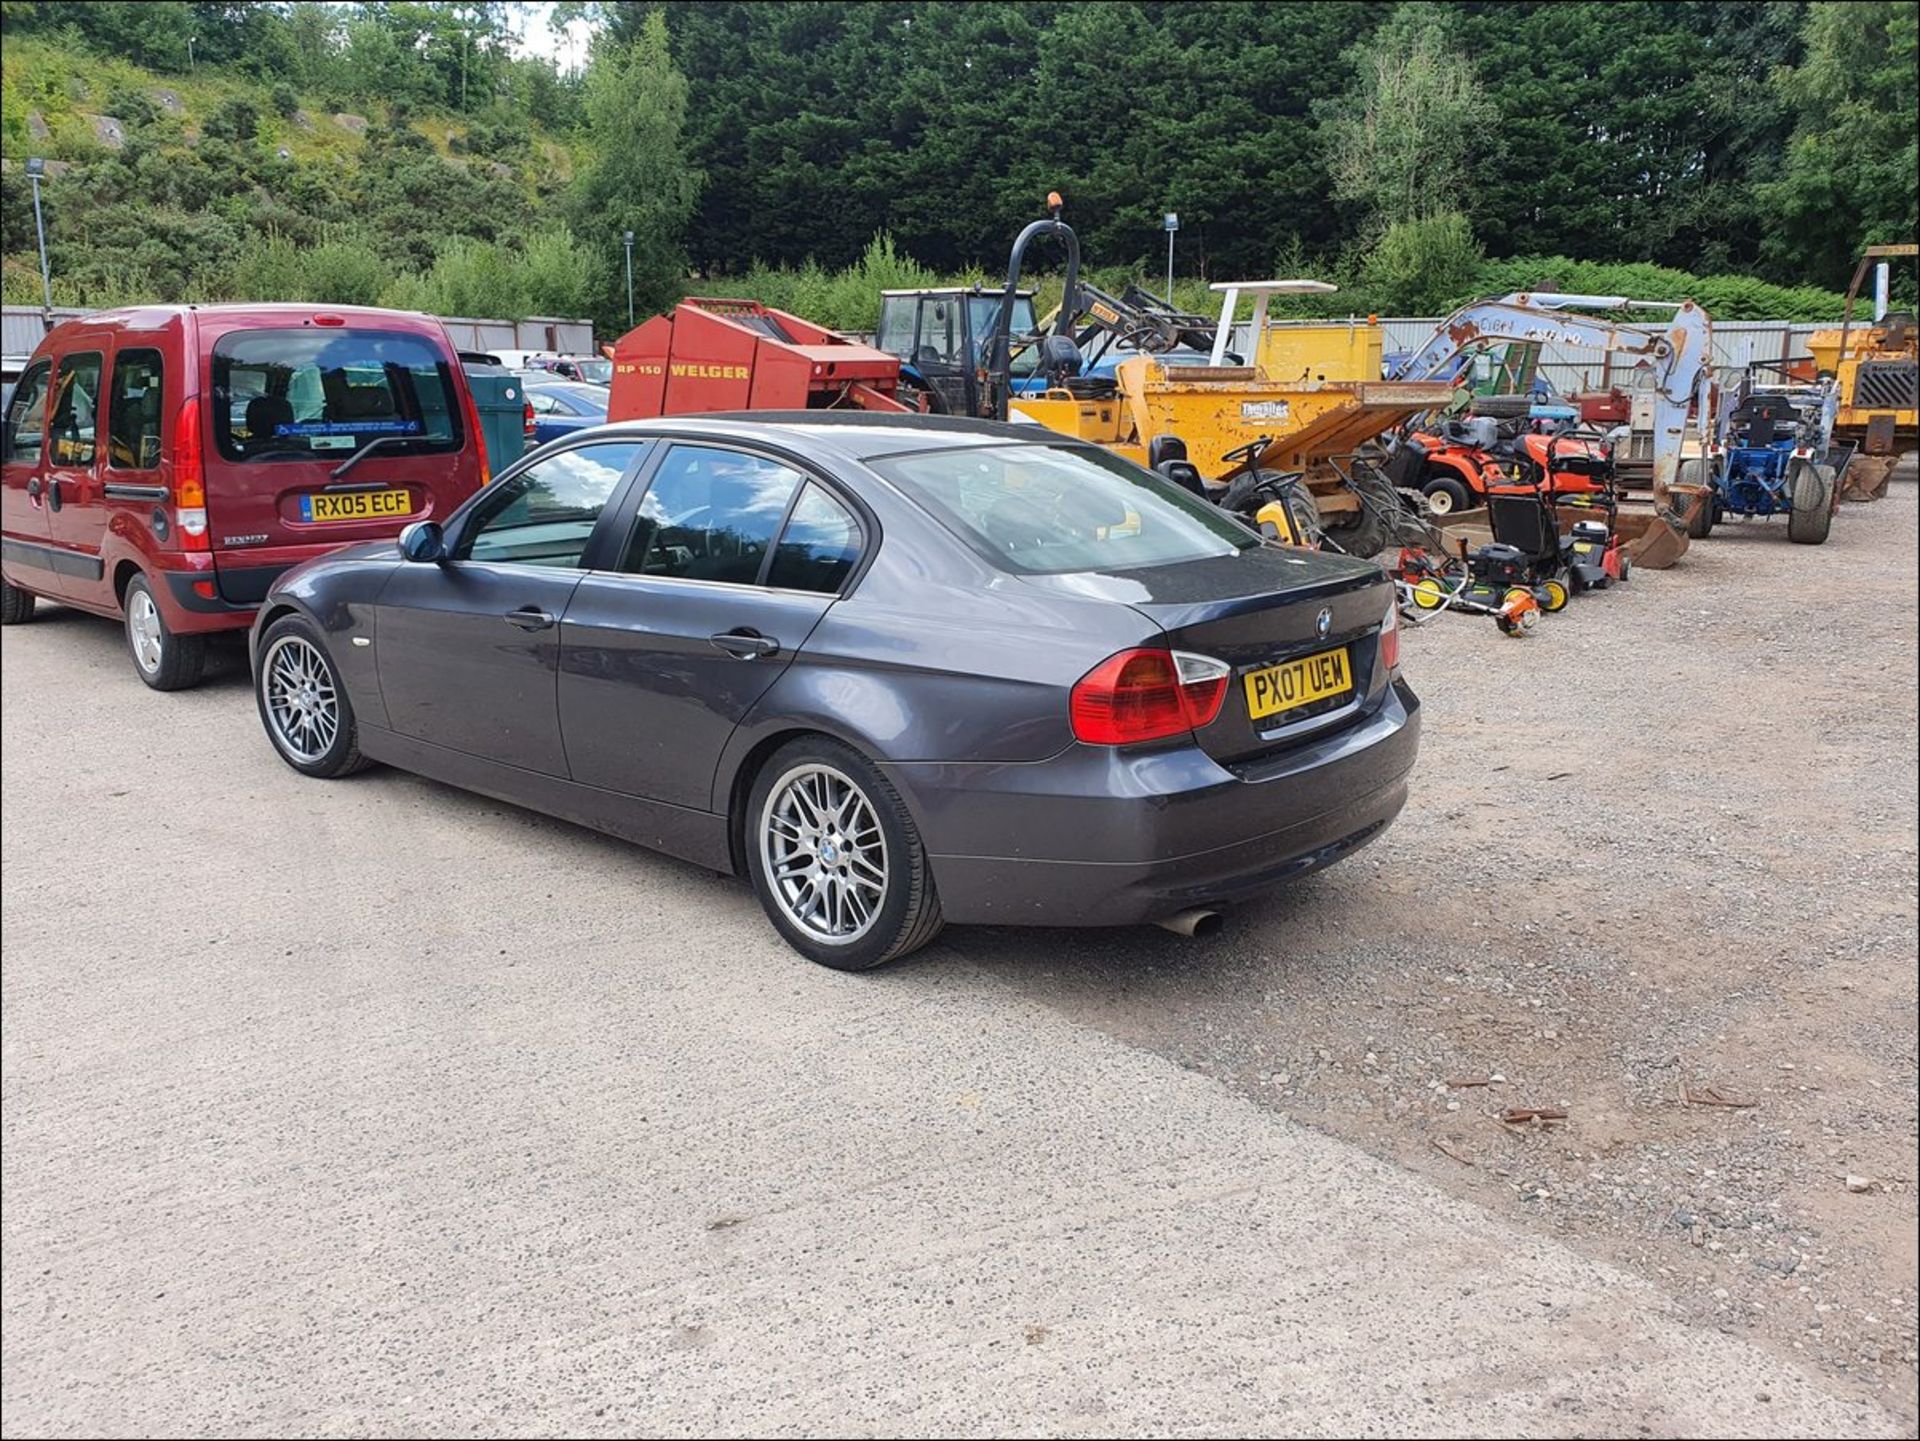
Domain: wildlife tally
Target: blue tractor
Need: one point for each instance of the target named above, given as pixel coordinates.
(1773, 455)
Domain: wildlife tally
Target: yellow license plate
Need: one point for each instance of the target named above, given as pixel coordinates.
(1298, 682)
(357, 505)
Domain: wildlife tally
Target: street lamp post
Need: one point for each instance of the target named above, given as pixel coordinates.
(1170, 222)
(36, 167)
(627, 240)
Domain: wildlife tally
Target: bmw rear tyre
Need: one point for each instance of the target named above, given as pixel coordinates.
(302, 703)
(162, 659)
(836, 859)
(16, 605)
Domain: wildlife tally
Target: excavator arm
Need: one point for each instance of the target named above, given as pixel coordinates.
(1680, 352)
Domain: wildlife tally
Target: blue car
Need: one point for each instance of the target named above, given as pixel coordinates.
(561, 407)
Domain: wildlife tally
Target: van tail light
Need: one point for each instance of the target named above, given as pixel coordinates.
(1390, 635)
(527, 422)
(189, 476)
(1147, 695)
(472, 413)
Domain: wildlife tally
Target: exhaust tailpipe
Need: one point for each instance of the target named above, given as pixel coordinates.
(1195, 924)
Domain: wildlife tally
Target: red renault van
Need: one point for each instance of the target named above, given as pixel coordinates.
(163, 465)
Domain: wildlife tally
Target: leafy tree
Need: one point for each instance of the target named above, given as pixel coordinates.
(637, 177)
(1849, 177)
(1399, 141)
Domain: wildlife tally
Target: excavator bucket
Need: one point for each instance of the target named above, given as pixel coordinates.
(1655, 531)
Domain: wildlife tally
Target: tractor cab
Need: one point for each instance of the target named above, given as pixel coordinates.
(940, 336)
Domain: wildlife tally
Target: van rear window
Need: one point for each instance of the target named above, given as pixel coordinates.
(307, 394)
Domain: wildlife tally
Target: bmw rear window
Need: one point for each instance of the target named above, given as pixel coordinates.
(1054, 510)
(325, 393)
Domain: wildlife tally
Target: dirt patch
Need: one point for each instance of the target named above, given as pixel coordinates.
(1662, 852)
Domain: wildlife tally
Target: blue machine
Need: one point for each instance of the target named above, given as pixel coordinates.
(1773, 456)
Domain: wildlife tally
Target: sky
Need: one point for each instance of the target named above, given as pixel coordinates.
(534, 35)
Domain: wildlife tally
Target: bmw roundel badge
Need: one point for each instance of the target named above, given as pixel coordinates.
(1324, 623)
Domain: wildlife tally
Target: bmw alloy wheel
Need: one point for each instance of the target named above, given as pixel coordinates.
(302, 707)
(825, 854)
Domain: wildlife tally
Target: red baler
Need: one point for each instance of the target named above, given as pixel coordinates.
(710, 355)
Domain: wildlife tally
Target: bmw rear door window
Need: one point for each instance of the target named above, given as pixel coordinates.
(319, 393)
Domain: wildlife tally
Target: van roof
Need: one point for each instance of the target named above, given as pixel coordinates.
(152, 317)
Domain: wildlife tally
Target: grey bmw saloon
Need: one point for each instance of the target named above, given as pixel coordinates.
(897, 671)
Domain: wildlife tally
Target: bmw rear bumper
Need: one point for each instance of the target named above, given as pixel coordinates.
(1101, 837)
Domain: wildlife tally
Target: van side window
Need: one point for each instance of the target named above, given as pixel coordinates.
(76, 399)
(27, 416)
(133, 413)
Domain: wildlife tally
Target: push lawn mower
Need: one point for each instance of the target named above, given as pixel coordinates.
(1429, 584)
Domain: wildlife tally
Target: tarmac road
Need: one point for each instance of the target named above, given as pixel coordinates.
(374, 1108)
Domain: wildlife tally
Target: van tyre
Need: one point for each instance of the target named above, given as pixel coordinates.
(836, 859)
(304, 707)
(16, 605)
(1812, 514)
(162, 659)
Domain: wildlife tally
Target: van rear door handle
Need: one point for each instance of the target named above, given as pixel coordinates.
(530, 618)
(745, 644)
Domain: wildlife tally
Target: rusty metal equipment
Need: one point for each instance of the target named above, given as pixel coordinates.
(711, 355)
(1877, 369)
(1320, 404)
(1679, 351)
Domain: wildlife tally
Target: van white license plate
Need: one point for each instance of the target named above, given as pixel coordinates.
(356, 505)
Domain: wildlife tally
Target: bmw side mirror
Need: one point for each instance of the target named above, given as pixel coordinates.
(423, 541)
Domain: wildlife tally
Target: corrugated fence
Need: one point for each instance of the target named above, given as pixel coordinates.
(1736, 343)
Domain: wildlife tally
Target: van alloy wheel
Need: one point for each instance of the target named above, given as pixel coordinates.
(143, 627)
(302, 706)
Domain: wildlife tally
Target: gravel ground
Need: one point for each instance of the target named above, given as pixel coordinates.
(1664, 847)
(474, 1154)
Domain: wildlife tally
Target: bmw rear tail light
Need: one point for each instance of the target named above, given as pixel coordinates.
(1147, 695)
(1390, 635)
(189, 476)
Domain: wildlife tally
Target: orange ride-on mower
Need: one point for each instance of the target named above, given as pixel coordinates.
(1460, 458)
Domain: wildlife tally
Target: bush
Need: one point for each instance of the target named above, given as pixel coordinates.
(284, 100)
(132, 107)
(1419, 267)
(341, 270)
(235, 119)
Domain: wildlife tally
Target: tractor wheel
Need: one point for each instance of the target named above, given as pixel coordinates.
(1626, 567)
(1362, 533)
(1446, 496)
(1812, 513)
(1700, 523)
(1906, 469)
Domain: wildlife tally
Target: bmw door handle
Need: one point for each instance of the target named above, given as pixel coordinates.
(744, 644)
(529, 618)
